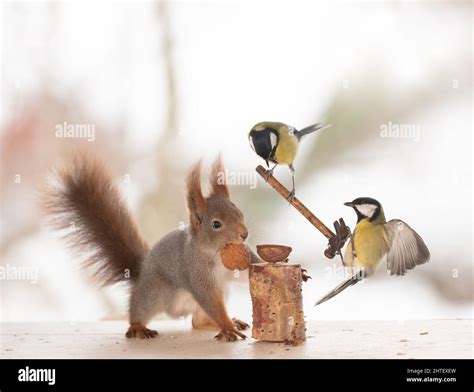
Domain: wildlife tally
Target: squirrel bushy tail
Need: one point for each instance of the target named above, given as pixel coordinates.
(83, 201)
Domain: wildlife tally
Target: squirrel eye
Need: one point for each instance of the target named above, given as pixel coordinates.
(216, 224)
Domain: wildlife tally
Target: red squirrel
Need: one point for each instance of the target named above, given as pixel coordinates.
(181, 274)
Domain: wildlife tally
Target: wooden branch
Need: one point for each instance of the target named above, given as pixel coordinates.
(300, 207)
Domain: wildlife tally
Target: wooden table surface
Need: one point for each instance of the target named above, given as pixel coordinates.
(325, 339)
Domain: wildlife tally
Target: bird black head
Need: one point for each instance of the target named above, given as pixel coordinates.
(263, 140)
(366, 208)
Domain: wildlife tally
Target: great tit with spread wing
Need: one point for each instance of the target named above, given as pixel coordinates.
(375, 240)
(278, 143)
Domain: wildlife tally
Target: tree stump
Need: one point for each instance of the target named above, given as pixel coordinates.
(277, 302)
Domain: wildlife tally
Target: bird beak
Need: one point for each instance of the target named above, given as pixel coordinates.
(266, 161)
(349, 204)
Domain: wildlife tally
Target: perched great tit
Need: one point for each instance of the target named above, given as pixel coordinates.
(374, 240)
(278, 143)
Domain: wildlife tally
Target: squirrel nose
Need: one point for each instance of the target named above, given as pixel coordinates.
(244, 235)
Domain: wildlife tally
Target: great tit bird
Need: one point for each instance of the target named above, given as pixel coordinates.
(278, 143)
(375, 240)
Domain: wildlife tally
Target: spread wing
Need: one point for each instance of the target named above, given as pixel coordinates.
(407, 249)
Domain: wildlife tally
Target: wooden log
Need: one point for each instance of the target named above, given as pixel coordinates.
(277, 302)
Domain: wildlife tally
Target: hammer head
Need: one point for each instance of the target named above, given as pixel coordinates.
(337, 242)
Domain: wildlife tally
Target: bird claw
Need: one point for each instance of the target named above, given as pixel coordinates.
(268, 174)
(291, 196)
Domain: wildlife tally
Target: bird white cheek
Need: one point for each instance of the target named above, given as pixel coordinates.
(251, 144)
(273, 140)
(366, 209)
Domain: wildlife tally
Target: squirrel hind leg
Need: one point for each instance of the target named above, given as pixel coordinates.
(239, 324)
(201, 320)
(138, 330)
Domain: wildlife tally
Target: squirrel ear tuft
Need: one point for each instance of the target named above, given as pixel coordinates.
(218, 179)
(195, 199)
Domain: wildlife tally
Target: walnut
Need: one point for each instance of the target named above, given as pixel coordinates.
(235, 256)
(273, 253)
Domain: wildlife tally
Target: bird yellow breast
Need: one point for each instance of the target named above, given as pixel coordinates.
(286, 148)
(370, 243)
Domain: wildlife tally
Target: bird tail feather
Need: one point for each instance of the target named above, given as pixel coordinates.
(310, 129)
(341, 287)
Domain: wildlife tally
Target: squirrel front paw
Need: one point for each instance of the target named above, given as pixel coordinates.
(229, 335)
(240, 325)
(137, 330)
